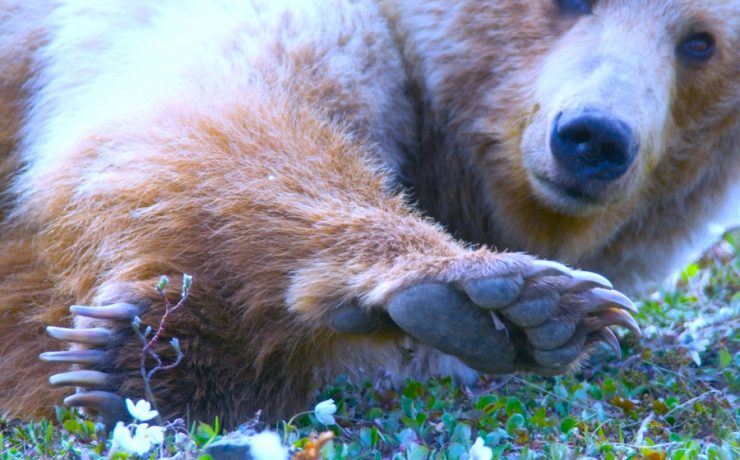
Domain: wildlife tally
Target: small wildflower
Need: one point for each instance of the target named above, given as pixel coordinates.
(141, 411)
(152, 434)
(132, 444)
(479, 451)
(267, 446)
(324, 412)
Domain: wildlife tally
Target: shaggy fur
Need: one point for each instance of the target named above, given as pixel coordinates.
(291, 156)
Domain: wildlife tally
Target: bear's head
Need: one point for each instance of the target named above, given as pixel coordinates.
(572, 124)
(618, 88)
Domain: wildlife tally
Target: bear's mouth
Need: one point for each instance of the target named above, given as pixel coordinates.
(567, 197)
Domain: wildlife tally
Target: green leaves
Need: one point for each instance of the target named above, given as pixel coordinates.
(725, 358)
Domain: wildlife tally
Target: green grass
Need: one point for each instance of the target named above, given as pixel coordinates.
(674, 395)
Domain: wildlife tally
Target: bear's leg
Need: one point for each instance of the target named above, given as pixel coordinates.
(296, 240)
(536, 315)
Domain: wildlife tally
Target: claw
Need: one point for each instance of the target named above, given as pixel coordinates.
(583, 279)
(74, 356)
(120, 311)
(621, 318)
(547, 267)
(608, 336)
(579, 279)
(614, 298)
(92, 336)
(101, 401)
(79, 378)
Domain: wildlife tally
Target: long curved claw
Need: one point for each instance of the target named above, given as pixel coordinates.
(101, 401)
(74, 356)
(116, 311)
(79, 378)
(610, 339)
(91, 336)
(583, 280)
(578, 279)
(612, 298)
(620, 317)
(547, 267)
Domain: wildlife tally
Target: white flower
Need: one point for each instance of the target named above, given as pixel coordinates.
(479, 451)
(153, 434)
(267, 446)
(144, 437)
(141, 411)
(131, 444)
(324, 412)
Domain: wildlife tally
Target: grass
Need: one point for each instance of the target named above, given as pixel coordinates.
(673, 396)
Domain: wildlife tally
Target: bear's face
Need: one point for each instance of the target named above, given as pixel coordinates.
(574, 119)
(618, 89)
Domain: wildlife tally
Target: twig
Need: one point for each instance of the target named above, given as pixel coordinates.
(147, 349)
(575, 403)
(691, 401)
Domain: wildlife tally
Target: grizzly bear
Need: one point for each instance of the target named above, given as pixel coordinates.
(354, 186)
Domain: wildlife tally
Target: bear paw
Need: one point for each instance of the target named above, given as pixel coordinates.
(543, 318)
(91, 354)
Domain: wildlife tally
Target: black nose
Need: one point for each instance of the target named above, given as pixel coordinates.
(592, 145)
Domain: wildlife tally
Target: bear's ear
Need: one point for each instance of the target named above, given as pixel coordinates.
(574, 7)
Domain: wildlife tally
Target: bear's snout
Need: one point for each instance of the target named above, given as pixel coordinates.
(591, 147)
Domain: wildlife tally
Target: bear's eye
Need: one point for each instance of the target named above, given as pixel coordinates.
(697, 47)
(574, 6)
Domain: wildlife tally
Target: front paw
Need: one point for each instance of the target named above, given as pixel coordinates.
(94, 352)
(542, 316)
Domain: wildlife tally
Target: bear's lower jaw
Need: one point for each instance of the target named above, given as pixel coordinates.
(572, 199)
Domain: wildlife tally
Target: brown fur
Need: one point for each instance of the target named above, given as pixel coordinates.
(278, 189)
(16, 45)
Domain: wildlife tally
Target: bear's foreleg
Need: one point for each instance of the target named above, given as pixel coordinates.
(297, 241)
